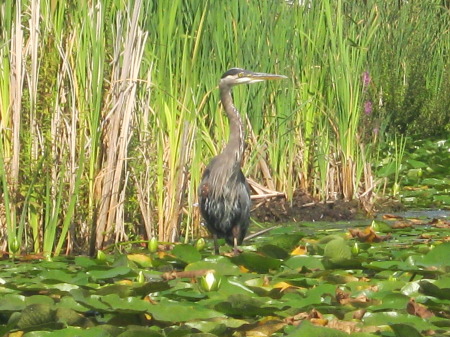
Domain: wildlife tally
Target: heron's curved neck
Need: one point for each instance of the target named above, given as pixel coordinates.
(235, 146)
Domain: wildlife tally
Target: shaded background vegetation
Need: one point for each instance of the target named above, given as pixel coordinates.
(109, 110)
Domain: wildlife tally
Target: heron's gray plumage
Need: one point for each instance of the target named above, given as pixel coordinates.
(224, 194)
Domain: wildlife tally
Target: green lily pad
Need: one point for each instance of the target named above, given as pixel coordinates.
(100, 331)
(12, 302)
(321, 294)
(306, 329)
(273, 251)
(221, 265)
(284, 241)
(402, 330)
(138, 331)
(85, 262)
(119, 289)
(186, 253)
(212, 325)
(381, 226)
(393, 317)
(257, 262)
(443, 199)
(433, 182)
(37, 316)
(56, 275)
(433, 289)
(437, 257)
(126, 305)
(88, 299)
(391, 301)
(169, 311)
(304, 261)
(107, 273)
(243, 306)
(337, 253)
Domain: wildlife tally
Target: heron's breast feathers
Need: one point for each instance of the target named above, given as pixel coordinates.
(224, 192)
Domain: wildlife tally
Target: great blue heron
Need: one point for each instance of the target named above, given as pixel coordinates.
(224, 195)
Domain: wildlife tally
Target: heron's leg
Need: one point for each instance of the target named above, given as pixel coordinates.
(235, 248)
(236, 232)
(216, 245)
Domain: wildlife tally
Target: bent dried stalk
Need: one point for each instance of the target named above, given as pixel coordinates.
(117, 123)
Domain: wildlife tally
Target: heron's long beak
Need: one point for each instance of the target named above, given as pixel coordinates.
(264, 76)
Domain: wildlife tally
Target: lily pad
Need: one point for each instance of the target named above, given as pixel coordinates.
(169, 311)
(241, 305)
(305, 261)
(221, 265)
(186, 253)
(108, 273)
(257, 262)
(306, 329)
(437, 257)
(402, 330)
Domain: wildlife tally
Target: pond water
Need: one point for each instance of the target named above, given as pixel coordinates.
(314, 227)
(425, 213)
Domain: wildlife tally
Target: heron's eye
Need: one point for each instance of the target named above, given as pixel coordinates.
(241, 75)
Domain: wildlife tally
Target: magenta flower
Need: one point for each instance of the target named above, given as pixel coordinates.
(366, 79)
(368, 107)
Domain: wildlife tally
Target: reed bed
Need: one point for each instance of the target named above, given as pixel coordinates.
(109, 109)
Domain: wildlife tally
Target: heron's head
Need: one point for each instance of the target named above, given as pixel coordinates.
(236, 76)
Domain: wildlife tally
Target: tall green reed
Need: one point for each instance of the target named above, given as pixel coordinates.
(175, 109)
(90, 66)
(412, 62)
(120, 110)
(6, 11)
(11, 87)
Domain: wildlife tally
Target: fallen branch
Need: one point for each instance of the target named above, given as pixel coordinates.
(261, 232)
(263, 192)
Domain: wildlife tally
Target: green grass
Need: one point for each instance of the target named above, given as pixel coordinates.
(115, 113)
